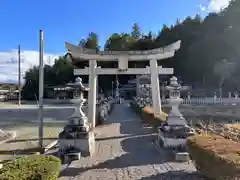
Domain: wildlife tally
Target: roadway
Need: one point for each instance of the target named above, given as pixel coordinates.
(30, 113)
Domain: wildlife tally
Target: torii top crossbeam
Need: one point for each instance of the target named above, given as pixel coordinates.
(79, 53)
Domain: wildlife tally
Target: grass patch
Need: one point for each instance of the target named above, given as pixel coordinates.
(33, 167)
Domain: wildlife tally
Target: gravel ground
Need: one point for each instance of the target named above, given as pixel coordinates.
(125, 151)
(25, 122)
(26, 140)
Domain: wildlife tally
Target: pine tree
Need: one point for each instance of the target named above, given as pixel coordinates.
(136, 32)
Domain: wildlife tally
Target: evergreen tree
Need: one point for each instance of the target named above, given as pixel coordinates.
(136, 32)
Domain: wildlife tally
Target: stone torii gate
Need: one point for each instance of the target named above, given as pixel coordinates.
(78, 53)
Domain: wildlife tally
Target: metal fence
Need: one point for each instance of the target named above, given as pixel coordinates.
(207, 100)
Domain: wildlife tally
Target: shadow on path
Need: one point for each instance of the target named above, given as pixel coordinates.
(178, 175)
(30, 139)
(136, 151)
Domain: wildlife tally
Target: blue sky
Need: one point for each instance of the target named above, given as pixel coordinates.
(74, 19)
(71, 20)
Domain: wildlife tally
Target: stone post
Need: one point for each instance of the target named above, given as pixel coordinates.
(155, 87)
(163, 96)
(215, 96)
(236, 95)
(92, 95)
(189, 96)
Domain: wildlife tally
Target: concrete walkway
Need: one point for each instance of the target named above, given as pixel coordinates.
(125, 151)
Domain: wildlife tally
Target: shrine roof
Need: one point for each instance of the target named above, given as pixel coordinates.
(79, 53)
(144, 78)
(66, 86)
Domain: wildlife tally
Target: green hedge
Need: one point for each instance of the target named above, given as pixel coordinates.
(32, 167)
(215, 157)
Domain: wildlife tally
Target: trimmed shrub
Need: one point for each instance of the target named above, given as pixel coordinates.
(32, 167)
(215, 157)
(147, 114)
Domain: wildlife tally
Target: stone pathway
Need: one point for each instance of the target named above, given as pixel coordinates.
(125, 151)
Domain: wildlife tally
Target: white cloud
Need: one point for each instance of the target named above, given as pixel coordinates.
(203, 8)
(215, 5)
(9, 63)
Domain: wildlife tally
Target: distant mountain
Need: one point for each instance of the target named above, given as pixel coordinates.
(10, 81)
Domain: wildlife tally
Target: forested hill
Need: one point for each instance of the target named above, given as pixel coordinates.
(208, 57)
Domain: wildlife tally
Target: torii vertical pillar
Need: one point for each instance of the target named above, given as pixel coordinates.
(92, 95)
(157, 109)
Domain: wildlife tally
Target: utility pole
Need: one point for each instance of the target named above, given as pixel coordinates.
(40, 95)
(19, 75)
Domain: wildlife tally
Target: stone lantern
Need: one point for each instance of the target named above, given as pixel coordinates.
(175, 131)
(175, 117)
(76, 138)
